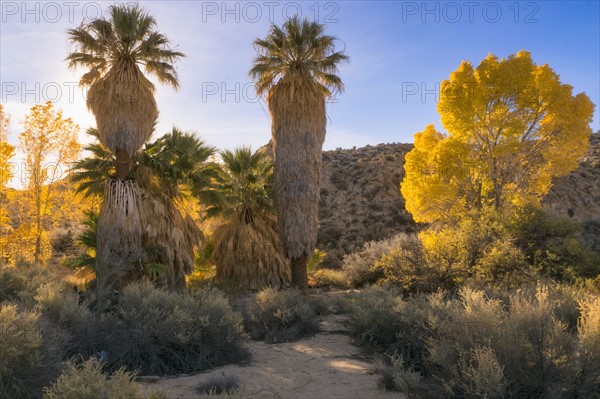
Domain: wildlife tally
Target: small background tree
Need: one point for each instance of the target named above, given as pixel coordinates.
(48, 142)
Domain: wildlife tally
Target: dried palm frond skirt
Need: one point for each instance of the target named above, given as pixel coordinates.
(124, 106)
(251, 254)
(120, 228)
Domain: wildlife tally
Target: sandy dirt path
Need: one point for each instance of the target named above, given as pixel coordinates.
(325, 365)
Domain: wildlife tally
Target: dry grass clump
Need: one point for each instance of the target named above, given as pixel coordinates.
(220, 384)
(329, 278)
(280, 316)
(87, 381)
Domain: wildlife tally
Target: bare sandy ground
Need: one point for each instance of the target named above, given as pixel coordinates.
(326, 365)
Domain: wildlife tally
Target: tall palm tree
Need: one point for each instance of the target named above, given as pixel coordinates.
(296, 68)
(120, 96)
(122, 101)
(247, 249)
(173, 167)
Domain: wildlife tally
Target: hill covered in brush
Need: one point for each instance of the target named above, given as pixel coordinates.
(361, 200)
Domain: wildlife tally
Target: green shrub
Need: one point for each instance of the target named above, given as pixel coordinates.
(381, 321)
(160, 332)
(541, 361)
(12, 283)
(481, 375)
(560, 247)
(591, 234)
(504, 265)
(587, 365)
(374, 321)
(29, 355)
(358, 266)
(20, 284)
(396, 376)
(150, 330)
(446, 258)
(406, 267)
(86, 381)
(280, 316)
(60, 306)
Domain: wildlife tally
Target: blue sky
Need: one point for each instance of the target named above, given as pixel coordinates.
(400, 51)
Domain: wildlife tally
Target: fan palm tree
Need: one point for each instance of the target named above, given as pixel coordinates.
(174, 167)
(120, 96)
(247, 247)
(168, 170)
(296, 68)
(122, 101)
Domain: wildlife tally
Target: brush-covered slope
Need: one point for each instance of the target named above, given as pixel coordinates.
(361, 200)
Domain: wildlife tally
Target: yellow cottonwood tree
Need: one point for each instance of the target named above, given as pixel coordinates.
(6, 153)
(512, 127)
(48, 142)
(6, 150)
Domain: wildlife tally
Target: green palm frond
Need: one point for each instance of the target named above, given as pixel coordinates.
(180, 159)
(177, 163)
(128, 36)
(244, 188)
(298, 50)
(88, 236)
(90, 173)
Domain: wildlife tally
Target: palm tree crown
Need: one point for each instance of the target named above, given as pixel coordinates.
(129, 37)
(298, 52)
(244, 188)
(120, 96)
(176, 164)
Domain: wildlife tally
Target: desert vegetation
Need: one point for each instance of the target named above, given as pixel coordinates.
(462, 266)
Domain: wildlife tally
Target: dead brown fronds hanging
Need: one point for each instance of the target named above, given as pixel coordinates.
(170, 237)
(250, 254)
(298, 128)
(120, 227)
(123, 103)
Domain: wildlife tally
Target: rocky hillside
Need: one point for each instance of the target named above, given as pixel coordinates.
(361, 200)
(577, 194)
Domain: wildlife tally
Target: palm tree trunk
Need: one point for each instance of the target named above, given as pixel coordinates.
(299, 274)
(298, 129)
(123, 164)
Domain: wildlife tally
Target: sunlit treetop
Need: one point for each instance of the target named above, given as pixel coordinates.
(512, 127)
(299, 51)
(129, 36)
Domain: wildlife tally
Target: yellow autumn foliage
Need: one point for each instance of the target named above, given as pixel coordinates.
(512, 127)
